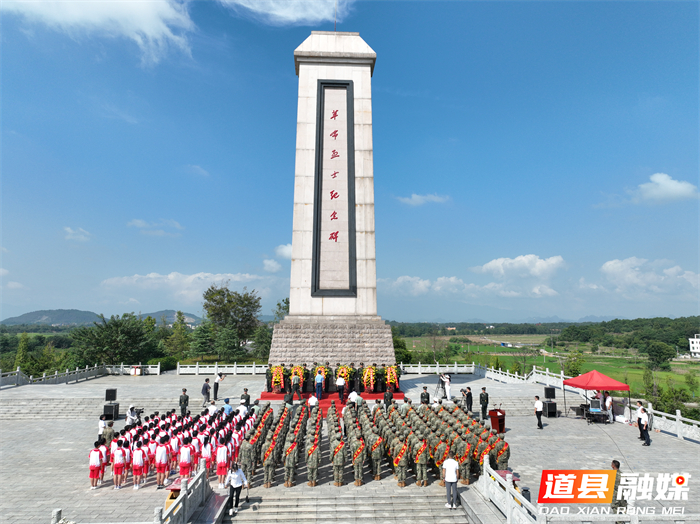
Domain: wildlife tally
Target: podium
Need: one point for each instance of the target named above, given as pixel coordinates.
(498, 420)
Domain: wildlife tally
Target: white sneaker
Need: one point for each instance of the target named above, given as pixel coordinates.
(235, 511)
(448, 506)
(230, 512)
(454, 506)
(93, 487)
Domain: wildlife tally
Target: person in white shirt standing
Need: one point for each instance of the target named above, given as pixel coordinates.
(644, 424)
(451, 471)
(637, 416)
(538, 412)
(609, 407)
(340, 385)
(235, 480)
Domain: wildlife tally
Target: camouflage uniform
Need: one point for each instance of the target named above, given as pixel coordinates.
(358, 461)
(246, 458)
(421, 462)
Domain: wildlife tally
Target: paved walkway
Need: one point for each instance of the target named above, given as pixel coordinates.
(43, 463)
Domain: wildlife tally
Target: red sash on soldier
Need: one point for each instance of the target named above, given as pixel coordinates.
(400, 454)
(505, 447)
(337, 449)
(447, 451)
(466, 454)
(376, 444)
(476, 448)
(313, 448)
(484, 453)
(269, 450)
(290, 448)
(421, 450)
(359, 450)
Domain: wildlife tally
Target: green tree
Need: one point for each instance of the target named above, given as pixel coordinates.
(262, 340)
(233, 310)
(226, 344)
(401, 352)
(179, 342)
(574, 363)
(119, 339)
(691, 380)
(281, 311)
(660, 355)
(202, 340)
(22, 358)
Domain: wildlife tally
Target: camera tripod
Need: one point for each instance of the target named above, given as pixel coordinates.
(440, 389)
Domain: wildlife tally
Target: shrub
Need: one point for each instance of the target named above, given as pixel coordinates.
(166, 363)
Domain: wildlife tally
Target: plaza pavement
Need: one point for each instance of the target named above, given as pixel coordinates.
(43, 461)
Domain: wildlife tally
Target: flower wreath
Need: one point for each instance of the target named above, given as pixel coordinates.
(278, 376)
(368, 377)
(299, 372)
(391, 376)
(344, 371)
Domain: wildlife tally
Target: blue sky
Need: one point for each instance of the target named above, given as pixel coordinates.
(532, 159)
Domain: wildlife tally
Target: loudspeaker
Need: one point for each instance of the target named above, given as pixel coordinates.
(110, 395)
(111, 411)
(549, 409)
(549, 392)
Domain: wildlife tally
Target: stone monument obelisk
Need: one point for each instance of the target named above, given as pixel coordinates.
(333, 289)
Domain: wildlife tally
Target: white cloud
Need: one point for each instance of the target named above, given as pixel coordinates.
(543, 290)
(286, 12)
(187, 288)
(582, 284)
(522, 266)
(112, 111)
(196, 170)
(635, 277)
(155, 26)
(155, 228)
(284, 251)
(419, 200)
(408, 285)
(5, 250)
(271, 266)
(4, 272)
(663, 189)
(79, 235)
(14, 285)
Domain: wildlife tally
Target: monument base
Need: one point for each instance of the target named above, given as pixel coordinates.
(334, 339)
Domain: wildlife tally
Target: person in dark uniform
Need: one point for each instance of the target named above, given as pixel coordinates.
(425, 396)
(358, 378)
(388, 397)
(329, 377)
(469, 400)
(484, 401)
(184, 402)
(351, 379)
(268, 377)
(245, 396)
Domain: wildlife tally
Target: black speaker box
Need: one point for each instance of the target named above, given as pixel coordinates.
(549, 409)
(549, 392)
(111, 395)
(111, 411)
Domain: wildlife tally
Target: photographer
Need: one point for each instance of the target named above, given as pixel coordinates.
(132, 416)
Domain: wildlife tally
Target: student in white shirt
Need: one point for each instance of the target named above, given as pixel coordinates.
(340, 385)
(538, 411)
(235, 480)
(451, 472)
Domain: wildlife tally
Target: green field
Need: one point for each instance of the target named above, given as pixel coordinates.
(628, 369)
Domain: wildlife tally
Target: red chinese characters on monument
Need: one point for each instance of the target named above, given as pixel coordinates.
(334, 236)
(334, 154)
(334, 194)
(334, 134)
(334, 174)
(334, 215)
(334, 114)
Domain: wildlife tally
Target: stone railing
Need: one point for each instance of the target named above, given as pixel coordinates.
(518, 510)
(18, 378)
(229, 369)
(425, 369)
(683, 428)
(193, 494)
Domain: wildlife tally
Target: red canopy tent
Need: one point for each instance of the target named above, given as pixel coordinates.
(595, 380)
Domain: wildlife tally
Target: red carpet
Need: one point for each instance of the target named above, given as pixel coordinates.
(327, 397)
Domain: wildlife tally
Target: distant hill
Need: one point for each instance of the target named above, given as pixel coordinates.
(75, 317)
(170, 315)
(593, 318)
(54, 316)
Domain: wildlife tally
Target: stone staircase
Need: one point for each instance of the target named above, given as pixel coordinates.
(368, 506)
(80, 408)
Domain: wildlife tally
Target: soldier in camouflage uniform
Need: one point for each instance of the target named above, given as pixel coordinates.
(269, 462)
(502, 453)
(290, 461)
(376, 453)
(421, 454)
(440, 455)
(615, 504)
(247, 458)
(400, 455)
(359, 452)
(313, 458)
